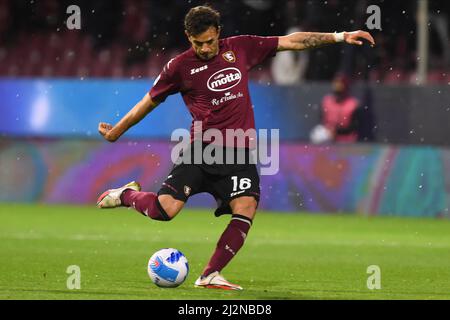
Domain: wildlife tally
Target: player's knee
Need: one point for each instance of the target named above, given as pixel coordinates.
(170, 206)
(244, 206)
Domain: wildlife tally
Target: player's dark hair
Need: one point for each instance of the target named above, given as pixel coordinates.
(201, 18)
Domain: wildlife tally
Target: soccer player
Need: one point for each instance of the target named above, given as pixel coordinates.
(212, 77)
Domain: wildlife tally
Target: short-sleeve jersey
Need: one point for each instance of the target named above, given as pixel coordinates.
(216, 91)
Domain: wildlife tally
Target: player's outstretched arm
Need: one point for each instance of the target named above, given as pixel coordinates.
(308, 40)
(139, 111)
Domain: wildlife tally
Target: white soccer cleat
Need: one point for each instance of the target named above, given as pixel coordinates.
(111, 197)
(216, 281)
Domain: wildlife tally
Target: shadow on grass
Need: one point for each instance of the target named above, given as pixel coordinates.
(41, 293)
(314, 294)
(249, 294)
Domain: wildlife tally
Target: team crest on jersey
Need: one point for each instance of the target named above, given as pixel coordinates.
(187, 190)
(229, 56)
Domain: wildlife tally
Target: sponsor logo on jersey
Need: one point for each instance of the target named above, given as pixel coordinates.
(227, 97)
(197, 70)
(236, 193)
(224, 79)
(229, 56)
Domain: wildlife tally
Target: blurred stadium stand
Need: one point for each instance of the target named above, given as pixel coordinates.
(57, 84)
(134, 38)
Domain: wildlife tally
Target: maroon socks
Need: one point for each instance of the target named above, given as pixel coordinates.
(145, 202)
(229, 243)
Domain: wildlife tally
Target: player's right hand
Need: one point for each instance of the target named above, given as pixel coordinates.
(104, 129)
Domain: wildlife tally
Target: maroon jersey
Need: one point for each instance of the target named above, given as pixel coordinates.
(216, 91)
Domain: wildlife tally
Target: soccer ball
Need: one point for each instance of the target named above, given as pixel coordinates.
(168, 268)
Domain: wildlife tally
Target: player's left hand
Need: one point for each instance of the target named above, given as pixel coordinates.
(355, 37)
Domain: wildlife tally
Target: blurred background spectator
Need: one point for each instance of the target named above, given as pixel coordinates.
(339, 114)
(289, 67)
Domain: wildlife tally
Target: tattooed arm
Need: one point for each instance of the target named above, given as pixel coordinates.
(308, 40)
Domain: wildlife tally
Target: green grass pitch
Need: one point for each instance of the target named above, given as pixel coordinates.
(286, 256)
